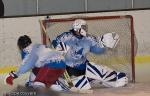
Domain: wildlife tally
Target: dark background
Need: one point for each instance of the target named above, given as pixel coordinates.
(41, 7)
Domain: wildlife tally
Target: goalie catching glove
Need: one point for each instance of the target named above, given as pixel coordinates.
(109, 40)
(10, 77)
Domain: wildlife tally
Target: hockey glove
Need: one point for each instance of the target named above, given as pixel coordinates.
(109, 40)
(10, 77)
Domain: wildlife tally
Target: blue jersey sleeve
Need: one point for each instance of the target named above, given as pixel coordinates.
(95, 46)
(97, 50)
(61, 38)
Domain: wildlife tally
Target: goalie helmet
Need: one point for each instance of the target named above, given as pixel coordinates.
(23, 41)
(80, 25)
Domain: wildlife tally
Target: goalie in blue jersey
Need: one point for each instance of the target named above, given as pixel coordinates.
(80, 44)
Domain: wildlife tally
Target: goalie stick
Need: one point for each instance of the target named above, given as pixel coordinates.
(67, 77)
(73, 88)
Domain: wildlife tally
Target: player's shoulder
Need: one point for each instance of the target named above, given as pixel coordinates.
(66, 34)
(36, 47)
(28, 48)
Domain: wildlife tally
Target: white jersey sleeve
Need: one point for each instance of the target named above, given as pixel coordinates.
(29, 61)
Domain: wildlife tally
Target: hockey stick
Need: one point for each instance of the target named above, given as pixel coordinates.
(67, 77)
(45, 32)
(73, 88)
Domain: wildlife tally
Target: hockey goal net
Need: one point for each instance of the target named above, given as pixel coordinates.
(120, 58)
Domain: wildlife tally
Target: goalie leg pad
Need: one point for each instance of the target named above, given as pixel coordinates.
(107, 76)
(122, 79)
(99, 72)
(81, 82)
(60, 86)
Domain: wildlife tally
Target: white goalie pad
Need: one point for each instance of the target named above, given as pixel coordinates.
(107, 76)
(98, 72)
(109, 40)
(81, 82)
(60, 85)
(121, 80)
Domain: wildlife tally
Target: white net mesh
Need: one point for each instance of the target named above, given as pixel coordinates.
(120, 58)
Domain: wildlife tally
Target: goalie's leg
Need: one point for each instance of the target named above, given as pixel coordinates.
(106, 76)
(81, 82)
(61, 85)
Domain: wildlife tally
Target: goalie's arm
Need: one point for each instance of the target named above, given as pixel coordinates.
(60, 38)
(94, 45)
(100, 44)
(97, 49)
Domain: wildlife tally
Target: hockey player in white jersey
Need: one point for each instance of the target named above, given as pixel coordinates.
(46, 64)
(77, 64)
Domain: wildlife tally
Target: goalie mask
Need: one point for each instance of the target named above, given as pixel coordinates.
(23, 41)
(80, 27)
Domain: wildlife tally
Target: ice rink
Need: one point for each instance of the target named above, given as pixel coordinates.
(136, 89)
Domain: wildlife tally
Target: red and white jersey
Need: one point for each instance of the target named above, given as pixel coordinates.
(39, 55)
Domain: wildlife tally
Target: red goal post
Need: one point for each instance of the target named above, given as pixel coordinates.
(122, 58)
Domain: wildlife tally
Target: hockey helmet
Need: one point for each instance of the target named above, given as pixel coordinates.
(80, 25)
